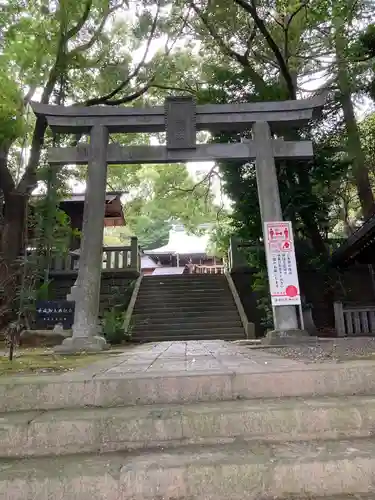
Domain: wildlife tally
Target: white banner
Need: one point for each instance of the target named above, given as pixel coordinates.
(281, 264)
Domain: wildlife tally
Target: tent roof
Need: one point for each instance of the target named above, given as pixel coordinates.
(168, 271)
(183, 244)
(148, 263)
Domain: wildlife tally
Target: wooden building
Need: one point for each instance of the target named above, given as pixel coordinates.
(359, 248)
(183, 249)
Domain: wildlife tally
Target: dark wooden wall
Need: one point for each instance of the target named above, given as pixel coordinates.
(351, 285)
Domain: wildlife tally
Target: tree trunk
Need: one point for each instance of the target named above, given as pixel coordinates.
(354, 147)
(307, 216)
(12, 238)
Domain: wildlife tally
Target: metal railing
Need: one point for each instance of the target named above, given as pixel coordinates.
(353, 319)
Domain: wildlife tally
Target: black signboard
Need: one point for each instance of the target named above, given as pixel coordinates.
(51, 312)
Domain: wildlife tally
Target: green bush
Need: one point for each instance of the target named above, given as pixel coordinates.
(113, 326)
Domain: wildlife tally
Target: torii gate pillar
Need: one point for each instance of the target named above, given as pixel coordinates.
(285, 316)
(86, 330)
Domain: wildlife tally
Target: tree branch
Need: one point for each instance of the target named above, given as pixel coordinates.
(122, 85)
(28, 180)
(228, 50)
(212, 172)
(297, 11)
(131, 97)
(86, 46)
(169, 87)
(77, 28)
(257, 80)
(249, 42)
(288, 24)
(126, 99)
(251, 9)
(29, 95)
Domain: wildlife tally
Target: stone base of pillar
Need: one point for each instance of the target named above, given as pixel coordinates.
(288, 337)
(72, 345)
(73, 292)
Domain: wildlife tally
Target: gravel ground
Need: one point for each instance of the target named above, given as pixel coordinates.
(335, 350)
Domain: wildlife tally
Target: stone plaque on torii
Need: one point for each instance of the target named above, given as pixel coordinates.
(180, 118)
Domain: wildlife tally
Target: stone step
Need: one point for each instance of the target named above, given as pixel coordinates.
(200, 308)
(165, 336)
(183, 290)
(181, 301)
(197, 325)
(186, 286)
(196, 309)
(156, 285)
(218, 278)
(187, 317)
(227, 472)
(104, 430)
(195, 298)
(185, 277)
(161, 334)
(44, 392)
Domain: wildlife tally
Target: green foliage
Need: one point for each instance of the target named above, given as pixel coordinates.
(220, 236)
(367, 40)
(367, 129)
(367, 48)
(114, 315)
(159, 195)
(11, 109)
(113, 326)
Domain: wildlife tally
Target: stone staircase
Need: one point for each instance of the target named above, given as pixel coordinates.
(185, 307)
(203, 437)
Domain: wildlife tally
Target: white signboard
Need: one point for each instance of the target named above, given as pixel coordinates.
(281, 264)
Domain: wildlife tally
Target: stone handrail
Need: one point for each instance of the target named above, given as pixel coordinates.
(131, 305)
(354, 319)
(235, 258)
(247, 325)
(114, 259)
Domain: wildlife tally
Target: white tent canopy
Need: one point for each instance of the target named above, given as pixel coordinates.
(148, 263)
(182, 243)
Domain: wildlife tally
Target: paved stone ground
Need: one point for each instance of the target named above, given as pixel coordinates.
(329, 350)
(193, 357)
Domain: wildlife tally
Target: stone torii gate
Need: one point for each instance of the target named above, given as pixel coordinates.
(181, 119)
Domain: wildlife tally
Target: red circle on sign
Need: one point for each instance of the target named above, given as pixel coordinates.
(291, 291)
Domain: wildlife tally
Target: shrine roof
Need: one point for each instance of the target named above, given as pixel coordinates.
(114, 214)
(358, 247)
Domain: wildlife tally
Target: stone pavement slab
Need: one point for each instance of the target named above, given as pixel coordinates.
(185, 372)
(187, 357)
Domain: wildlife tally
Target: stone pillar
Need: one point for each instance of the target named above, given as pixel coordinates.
(134, 253)
(87, 294)
(285, 317)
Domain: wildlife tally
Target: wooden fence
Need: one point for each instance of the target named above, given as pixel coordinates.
(353, 319)
(214, 269)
